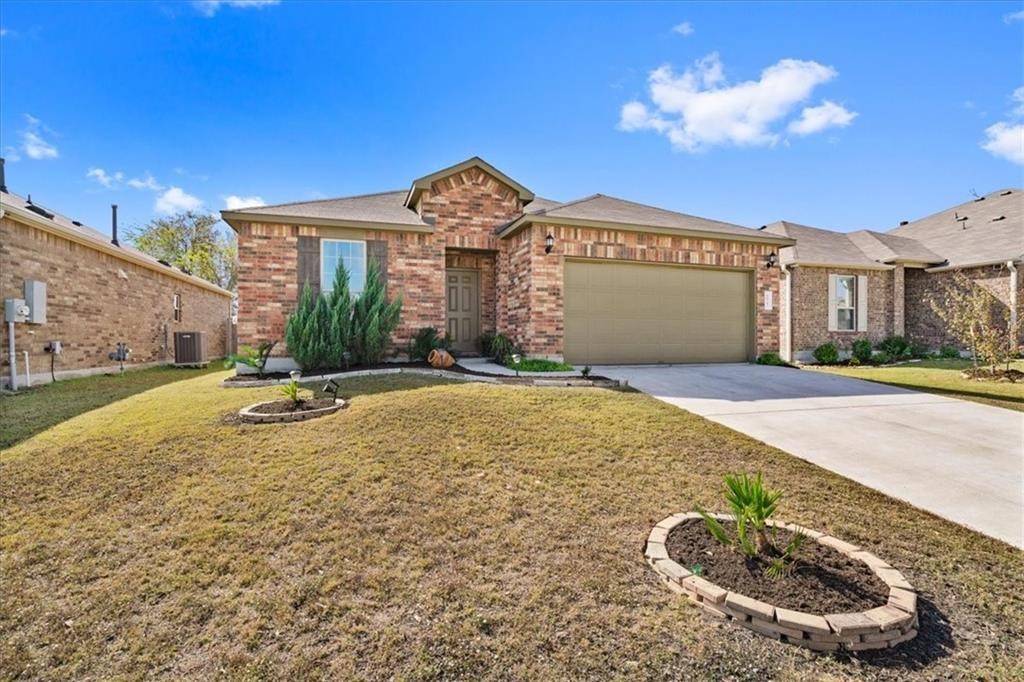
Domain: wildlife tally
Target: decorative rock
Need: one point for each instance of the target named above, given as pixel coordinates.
(905, 600)
(802, 621)
(751, 607)
(851, 624)
(839, 545)
(709, 591)
(889, 617)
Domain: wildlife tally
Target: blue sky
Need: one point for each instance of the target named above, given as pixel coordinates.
(845, 116)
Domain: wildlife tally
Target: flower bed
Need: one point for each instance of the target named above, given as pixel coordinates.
(882, 615)
(454, 372)
(988, 374)
(281, 411)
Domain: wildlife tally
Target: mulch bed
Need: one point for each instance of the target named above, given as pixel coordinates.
(988, 374)
(288, 406)
(459, 369)
(820, 581)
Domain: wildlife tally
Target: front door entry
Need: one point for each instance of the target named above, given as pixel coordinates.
(463, 321)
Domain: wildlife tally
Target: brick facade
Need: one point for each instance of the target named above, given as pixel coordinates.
(520, 285)
(96, 300)
(924, 326)
(809, 317)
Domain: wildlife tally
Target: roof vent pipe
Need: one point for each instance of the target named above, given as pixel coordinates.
(904, 222)
(3, 176)
(113, 225)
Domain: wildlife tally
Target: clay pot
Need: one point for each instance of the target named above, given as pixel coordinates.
(440, 359)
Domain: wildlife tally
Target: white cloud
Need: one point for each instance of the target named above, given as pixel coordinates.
(32, 141)
(149, 182)
(175, 199)
(1005, 139)
(683, 29)
(210, 7)
(699, 108)
(101, 176)
(1013, 16)
(11, 155)
(235, 202)
(815, 119)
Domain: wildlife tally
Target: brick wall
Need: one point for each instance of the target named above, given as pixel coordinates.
(95, 300)
(809, 320)
(466, 207)
(923, 325)
(535, 295)
(267, 283)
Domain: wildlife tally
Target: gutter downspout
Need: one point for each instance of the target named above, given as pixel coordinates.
(787, 318)
(1014, 285)
(12, 356)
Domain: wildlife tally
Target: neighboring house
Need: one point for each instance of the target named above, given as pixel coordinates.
(98, 293)
(472, 251)
(842, 287)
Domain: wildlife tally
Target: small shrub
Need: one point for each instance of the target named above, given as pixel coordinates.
(485, 342)
(539, 365)
(770, 359)
(854, 361)
(862, 351)
(425, 340)
(882, 358)
(752, 504)
(896, 346)
(374, 318)
(252, 357)
(918, 351)
(827, 353)
(585, 372)
(291, 391)
(502, 349)
(949, 352)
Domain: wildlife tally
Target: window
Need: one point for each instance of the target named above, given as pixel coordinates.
(846, 306)
(177, 307)
(351, 254)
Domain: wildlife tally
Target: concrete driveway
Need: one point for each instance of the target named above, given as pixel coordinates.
(957, 459)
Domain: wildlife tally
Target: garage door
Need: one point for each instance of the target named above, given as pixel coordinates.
(640, 313)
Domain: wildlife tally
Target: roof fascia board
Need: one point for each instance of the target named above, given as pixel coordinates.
(847, 266)
(239, 216)
(51, 227)
(758, 238)
(964, 266)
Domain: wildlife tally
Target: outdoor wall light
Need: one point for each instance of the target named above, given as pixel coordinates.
(771, 260)
(516, 359)
(331, 387)
(549, 243)
(295, 375)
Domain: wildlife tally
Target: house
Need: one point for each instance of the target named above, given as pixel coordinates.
(842, 287)
(98, 293)
(473, 251)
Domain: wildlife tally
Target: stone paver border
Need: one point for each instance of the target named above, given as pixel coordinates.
(249, 416)
(878, 628)
(576, 382)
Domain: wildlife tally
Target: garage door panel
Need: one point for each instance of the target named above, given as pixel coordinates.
(643, 313)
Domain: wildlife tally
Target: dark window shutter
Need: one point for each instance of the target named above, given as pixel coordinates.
(308, 269)
(378, 250)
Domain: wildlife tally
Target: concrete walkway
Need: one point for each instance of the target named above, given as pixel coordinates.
(960, 460)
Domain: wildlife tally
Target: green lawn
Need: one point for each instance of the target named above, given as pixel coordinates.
(431, 530)
(31, 410)
(941, 376)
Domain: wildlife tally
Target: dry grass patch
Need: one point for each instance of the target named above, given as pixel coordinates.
(448, 531)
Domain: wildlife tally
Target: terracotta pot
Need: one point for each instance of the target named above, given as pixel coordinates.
(440, 359)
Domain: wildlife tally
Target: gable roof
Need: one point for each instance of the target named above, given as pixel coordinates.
(989, 229)
(602, 211)
(377, 211)
(890, 248)
(420, 184)
(815, 246)
(48, 220)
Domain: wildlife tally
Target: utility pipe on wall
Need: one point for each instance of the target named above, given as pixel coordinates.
(12, 356)
(28, 374)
